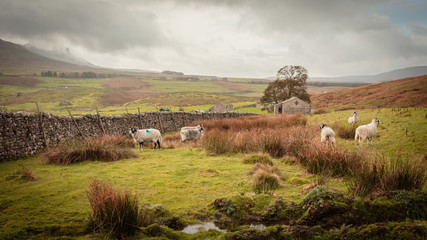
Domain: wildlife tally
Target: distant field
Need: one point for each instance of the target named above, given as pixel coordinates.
(128, 91)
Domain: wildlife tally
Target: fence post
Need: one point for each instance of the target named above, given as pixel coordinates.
(160, 123)
(41, 126)
(75, 124)
(100, 122)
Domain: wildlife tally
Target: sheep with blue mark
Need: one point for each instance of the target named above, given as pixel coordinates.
(327, 134)
(366, 132)
(146, 135)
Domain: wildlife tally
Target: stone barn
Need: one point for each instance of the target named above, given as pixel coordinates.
(291, 106)
(219, 107)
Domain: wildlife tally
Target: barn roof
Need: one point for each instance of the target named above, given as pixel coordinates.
(290, 100)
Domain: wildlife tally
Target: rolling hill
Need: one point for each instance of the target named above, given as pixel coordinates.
(408, 92)
(63, 56)
(14, 56)
(377, 78)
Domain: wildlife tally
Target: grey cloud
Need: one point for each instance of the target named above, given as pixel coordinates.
(97, 25)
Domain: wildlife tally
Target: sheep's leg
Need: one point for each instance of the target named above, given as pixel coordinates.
(141, 146)
(355, 140)
(158, 144)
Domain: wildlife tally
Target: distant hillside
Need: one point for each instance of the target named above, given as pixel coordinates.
(14, 56)
(63, 56)
(382, 77)
(408, 92)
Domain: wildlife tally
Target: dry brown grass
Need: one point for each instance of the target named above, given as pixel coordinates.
(174, 141)
(408, 92)
(121, 97)
(266, 178)
(114, 212)
(125, 84)
(21, 81)
(104, 148)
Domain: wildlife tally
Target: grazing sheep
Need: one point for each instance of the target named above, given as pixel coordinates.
(366, 132)
(190, 133)
(353, 119)
(327, 134)
(146, 135)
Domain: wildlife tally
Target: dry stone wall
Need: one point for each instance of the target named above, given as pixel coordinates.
(24, 134)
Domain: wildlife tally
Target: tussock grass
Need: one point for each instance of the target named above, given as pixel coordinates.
(380, 177)
(345, 131)
(104, 148)
(266, 178)
(334, 161)
(113, 211)
(267, 134)
(253, 122)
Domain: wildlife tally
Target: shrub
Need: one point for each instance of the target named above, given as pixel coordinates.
(113, 212)
(266, 178)
(105, 148)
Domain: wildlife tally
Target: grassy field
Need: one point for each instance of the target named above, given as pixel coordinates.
(402, 132)
(184, 180)
(127, 92)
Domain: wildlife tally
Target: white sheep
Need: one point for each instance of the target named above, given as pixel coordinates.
(190, 133)
(366, 132)
(146, 135)
(327, 134)
(353, 119)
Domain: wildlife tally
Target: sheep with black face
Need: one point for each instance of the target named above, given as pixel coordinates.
(354, 119)
(191, 133)
(327, 135)
(146, 135)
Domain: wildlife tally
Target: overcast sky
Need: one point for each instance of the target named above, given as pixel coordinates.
(234, 38)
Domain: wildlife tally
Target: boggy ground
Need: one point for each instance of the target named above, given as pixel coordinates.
(323, 214)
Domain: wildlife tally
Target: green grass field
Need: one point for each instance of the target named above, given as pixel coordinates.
(183, 180)
(401, 133)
